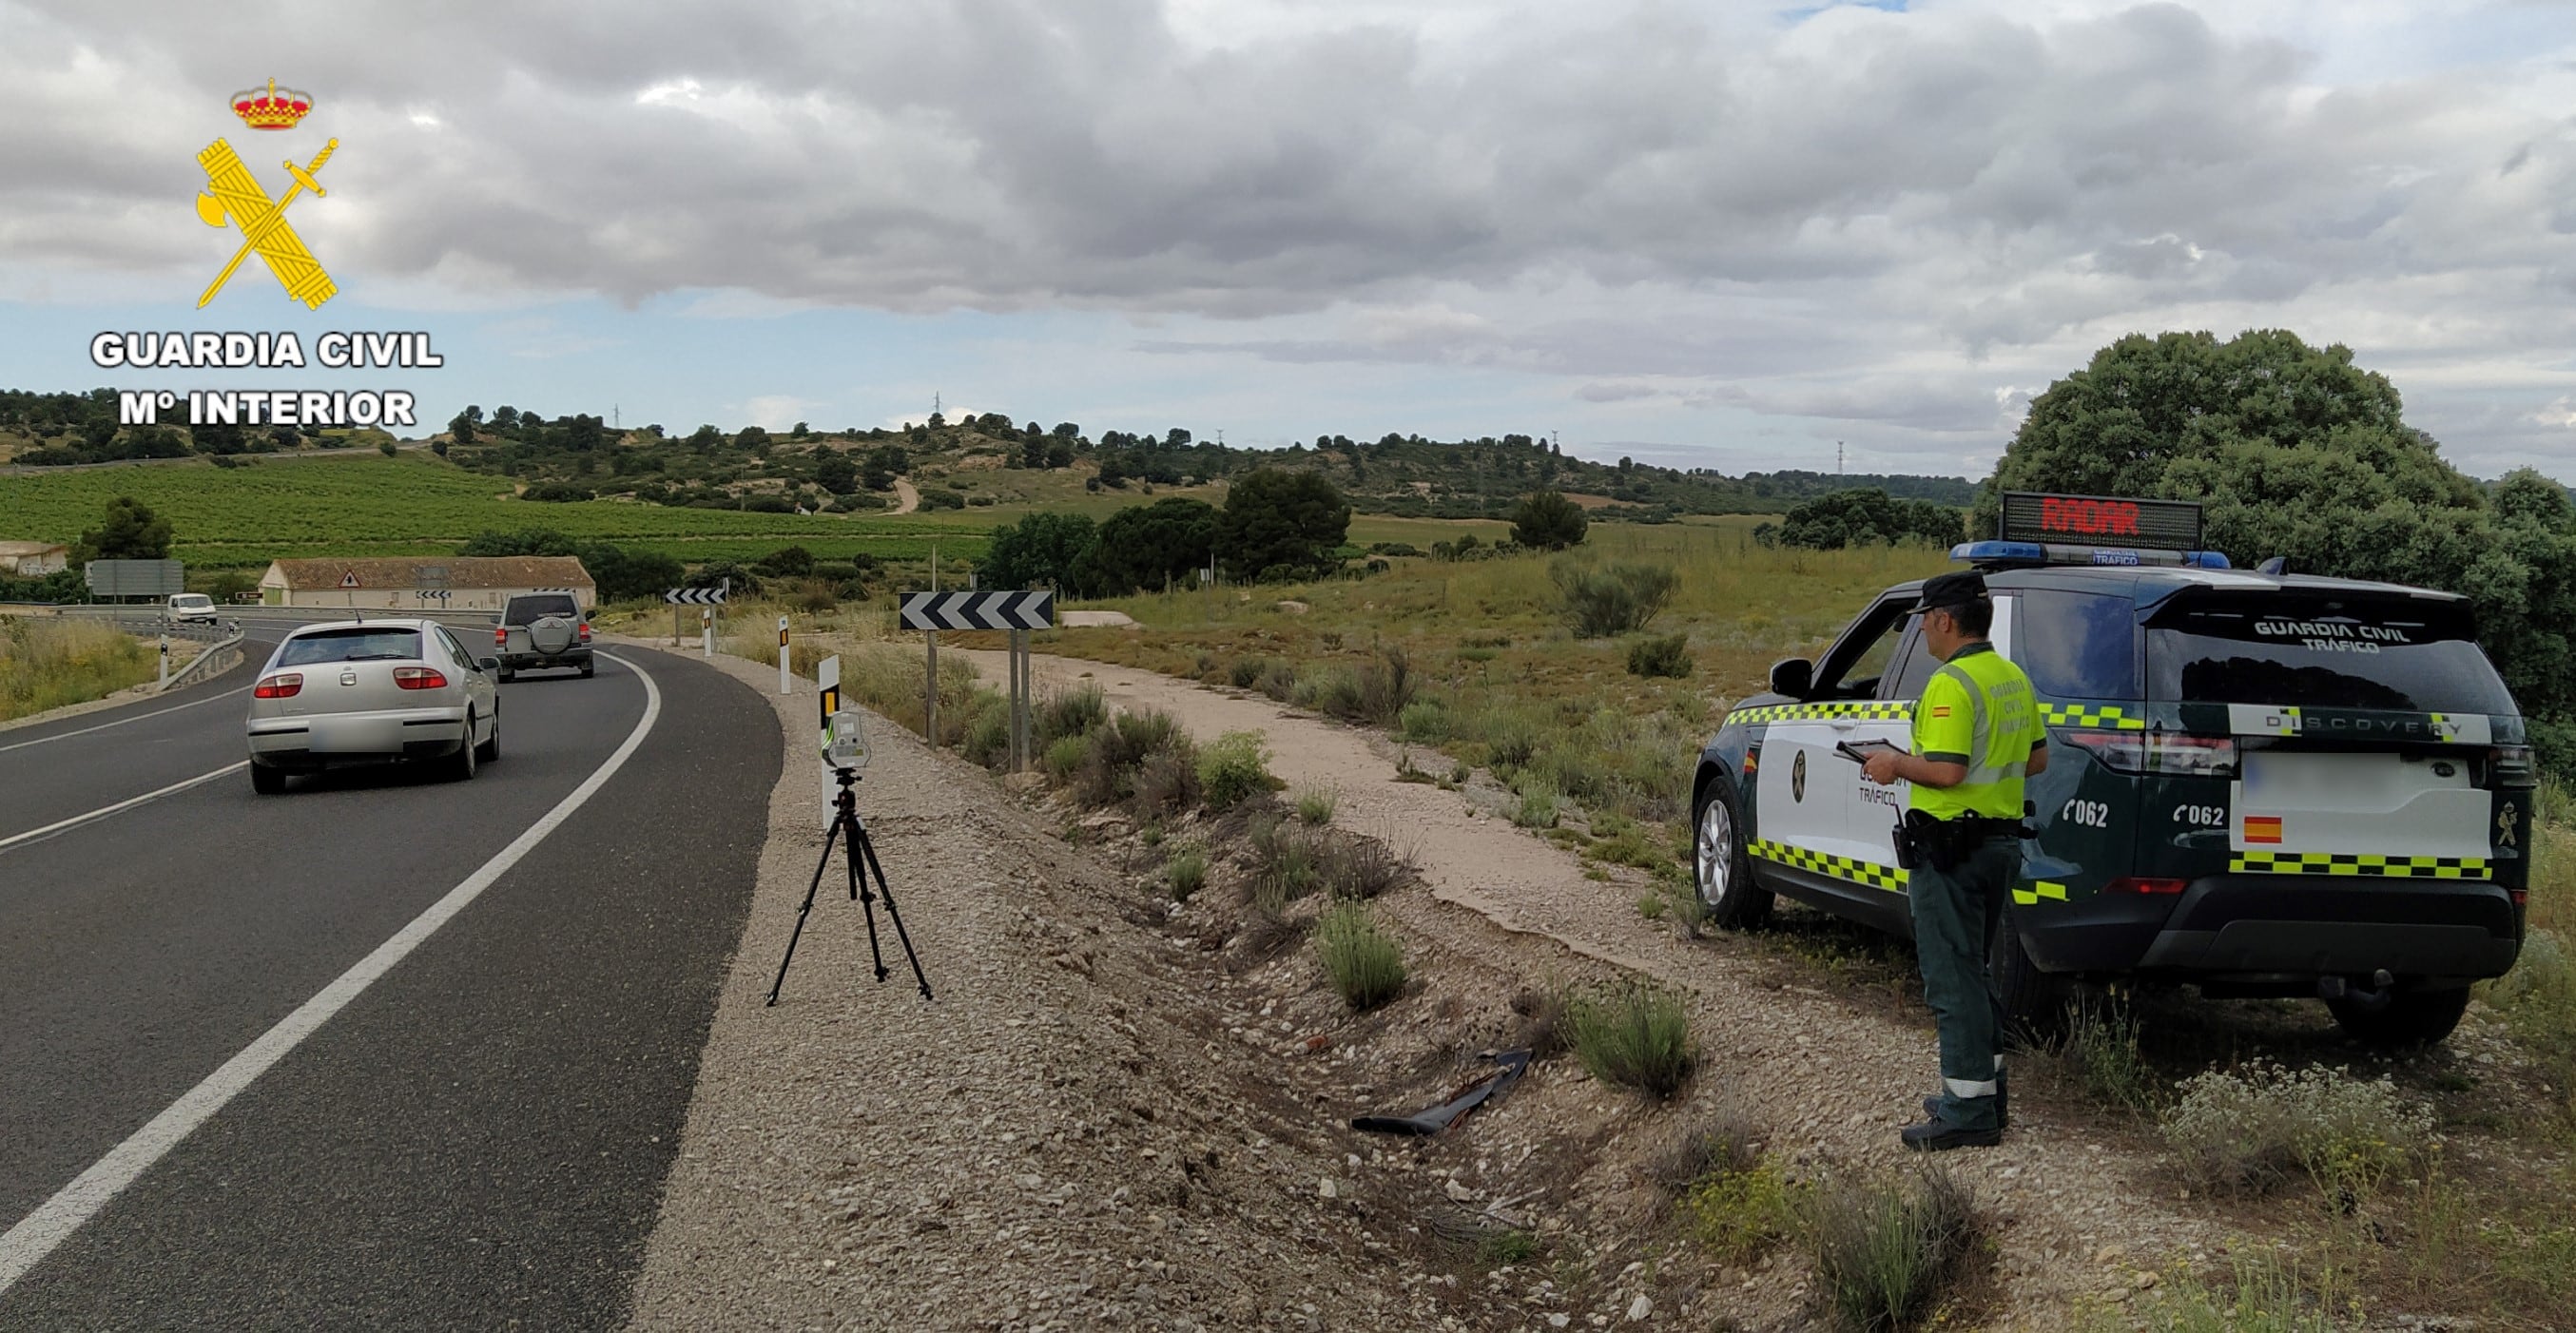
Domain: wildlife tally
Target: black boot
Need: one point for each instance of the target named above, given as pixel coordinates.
(1939, 1135)
(2003, 1101)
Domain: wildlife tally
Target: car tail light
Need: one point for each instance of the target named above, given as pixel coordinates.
(2171, 756)
(500, 636)
(585, 631)
(2145, 884)
(281, 686)
(419, 678)
(2512, 766)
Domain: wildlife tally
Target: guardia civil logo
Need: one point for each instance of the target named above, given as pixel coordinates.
(235, 200)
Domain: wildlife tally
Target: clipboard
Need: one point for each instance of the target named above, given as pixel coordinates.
(1860, 752)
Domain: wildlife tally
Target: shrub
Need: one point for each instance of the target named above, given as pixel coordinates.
(1738, 1212)
(1244, 672)
(1619, 599)
(1424, 720)
(1363, 962)
(1635, 1035)
(988, 733)
(1316, 802)
(1537, 808)
(1547, 521)
(1278, 680)
(1118, 752)
(1884, 1252)
(1354, 867)
(1724, 1140)
(1064, 758)
(1667, 657)
(1386, 684)
(2247, 1131)
(1233, 770)
(2099, 1051)
(1186, 873)
(1167, 783)
(1502, 1249)
(1073, 712)
(1284, 859)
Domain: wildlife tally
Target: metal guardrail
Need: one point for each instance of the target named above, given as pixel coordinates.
(200, 663)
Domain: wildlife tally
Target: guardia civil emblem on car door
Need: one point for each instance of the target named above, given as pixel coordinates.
(1798, 777)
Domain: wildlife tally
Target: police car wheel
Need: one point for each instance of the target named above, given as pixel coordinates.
(2410, 1018)
(2032, 1003)
(1720, 866)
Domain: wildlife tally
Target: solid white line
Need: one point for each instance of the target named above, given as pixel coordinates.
(67, 735)
(32, 1239)
(127, 804)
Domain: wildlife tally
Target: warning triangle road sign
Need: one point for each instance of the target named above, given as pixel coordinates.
(349, 579)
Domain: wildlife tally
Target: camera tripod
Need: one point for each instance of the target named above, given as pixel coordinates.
(853, 835)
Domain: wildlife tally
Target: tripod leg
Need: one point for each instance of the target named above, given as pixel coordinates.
(802, 909)
(867, 897)
(868, 848)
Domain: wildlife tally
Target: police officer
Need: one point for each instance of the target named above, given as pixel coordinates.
(1977, 735)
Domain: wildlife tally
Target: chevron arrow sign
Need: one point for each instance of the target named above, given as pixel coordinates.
(695, 596)
(978, 610)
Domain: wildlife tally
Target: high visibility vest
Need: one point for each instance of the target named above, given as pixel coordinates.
(1977, 710)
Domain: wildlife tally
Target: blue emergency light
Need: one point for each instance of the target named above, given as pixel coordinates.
(2003, 554)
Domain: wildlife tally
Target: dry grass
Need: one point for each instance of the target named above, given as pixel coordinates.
(49, 662)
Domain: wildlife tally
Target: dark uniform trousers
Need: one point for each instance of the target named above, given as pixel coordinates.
(1955, 912)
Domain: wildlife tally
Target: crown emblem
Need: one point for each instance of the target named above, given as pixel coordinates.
(275, 109)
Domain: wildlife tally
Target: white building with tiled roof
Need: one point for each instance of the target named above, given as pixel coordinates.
(428, 583)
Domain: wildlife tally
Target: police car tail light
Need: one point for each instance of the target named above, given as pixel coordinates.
(2512, 766)
(2168, 756)
(2145, 884)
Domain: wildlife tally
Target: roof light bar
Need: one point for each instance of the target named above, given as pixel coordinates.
(2002, 554)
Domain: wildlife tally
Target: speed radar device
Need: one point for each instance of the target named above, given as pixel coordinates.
(844, 747)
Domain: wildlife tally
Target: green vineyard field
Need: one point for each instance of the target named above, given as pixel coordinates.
(414, 505)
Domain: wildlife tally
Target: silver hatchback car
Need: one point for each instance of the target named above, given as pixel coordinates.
(350, 693)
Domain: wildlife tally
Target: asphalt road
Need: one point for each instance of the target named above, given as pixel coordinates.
(477, 1139)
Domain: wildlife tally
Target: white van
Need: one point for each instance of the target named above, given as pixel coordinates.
(192, 606)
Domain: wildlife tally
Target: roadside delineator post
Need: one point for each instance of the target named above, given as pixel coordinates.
(785, 685)
(165, 661)
(706, 631)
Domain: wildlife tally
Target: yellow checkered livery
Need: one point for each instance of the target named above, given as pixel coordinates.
(1860, 709)
(1849, 869)
(2044, 889)
(2361, 864)
(2110, 716)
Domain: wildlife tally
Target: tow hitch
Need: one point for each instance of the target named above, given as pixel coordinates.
(2370, 999)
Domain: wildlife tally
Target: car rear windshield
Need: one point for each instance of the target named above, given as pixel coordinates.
(2402, 654)
(2078, 645)
(350, 645)
(526, 609)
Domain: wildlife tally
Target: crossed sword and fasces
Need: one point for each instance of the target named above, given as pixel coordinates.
(235, 194)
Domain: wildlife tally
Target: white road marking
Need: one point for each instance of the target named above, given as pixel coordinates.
(26, 1244)
(127, 804)
(67, 735)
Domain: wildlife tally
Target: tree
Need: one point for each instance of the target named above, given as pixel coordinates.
(1867, 517)
(1142, 546)
(706, 439)
(885, 463)
(1066, 430)
(752, 440)
(1176, 437)
(1281, 524)
(1040, 550)
(801, 431)
(461, 426)
(1548, 521)
(837, 474)
(130, 531)
(787, 560)
(2294, 451)
(505, 418)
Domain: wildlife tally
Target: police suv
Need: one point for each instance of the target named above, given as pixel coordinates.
(2262, 784)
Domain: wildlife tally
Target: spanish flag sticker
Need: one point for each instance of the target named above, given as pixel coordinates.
(2263, 828)
(1940, 710)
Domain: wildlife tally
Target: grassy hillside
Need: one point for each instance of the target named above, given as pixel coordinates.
(415, 505)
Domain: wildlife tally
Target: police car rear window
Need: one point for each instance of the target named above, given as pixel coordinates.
(2397, 654)
(2078, 645)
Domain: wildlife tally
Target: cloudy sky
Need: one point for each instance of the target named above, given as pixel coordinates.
(1713, 234)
